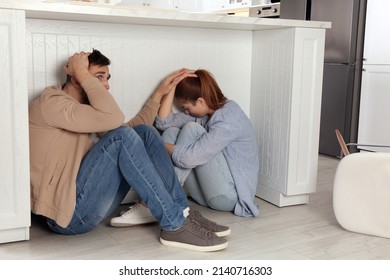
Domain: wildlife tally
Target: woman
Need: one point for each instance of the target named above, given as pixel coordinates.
(212, 145)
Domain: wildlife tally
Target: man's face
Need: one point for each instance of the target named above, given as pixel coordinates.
(102, 73)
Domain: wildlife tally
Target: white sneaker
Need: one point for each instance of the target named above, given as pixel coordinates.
(137, 214)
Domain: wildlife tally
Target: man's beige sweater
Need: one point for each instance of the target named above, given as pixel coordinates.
(61, 134)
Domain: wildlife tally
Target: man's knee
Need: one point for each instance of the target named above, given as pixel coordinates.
(125, 132)
(143, 129)
(148, 134)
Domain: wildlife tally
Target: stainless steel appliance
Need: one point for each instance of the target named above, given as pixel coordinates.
(342, 65)
(271, 10)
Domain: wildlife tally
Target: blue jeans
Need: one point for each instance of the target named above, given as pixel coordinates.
(121, 159)
(210, 184)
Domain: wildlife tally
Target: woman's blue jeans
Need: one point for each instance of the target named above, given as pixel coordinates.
(210, 184)
(121, 159)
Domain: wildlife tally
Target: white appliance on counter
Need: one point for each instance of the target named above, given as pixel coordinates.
(206, 6)
(374, 128)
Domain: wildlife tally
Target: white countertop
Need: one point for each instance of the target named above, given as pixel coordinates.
(84, 11)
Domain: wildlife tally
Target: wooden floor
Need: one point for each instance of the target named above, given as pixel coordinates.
(304, 232)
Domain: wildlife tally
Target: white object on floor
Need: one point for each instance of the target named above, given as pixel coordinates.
(137, 214)
(131, 197)
(361, 194)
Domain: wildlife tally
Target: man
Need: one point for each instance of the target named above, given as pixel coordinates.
(77, 182)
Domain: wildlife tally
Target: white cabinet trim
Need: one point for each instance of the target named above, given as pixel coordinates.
(14, 147)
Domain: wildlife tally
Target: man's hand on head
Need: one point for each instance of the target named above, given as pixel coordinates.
(77, 66)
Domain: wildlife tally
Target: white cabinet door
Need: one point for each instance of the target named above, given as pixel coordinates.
(14, 146)
(158, 4)
(202, 5)
(376, 40)
(161, 4)
(215, 5)
(374, 109)
(220, 5)
(190, 6)
(135, 3)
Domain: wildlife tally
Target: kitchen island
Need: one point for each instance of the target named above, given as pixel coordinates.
(271, 67)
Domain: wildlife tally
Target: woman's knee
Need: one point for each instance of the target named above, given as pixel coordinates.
(193, 127)
(170, 135)
(190, 132)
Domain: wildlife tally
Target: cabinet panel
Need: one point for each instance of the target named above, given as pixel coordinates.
(376, 41)
(14, 165)
(271, 94)
(374, 108)
(287, 69)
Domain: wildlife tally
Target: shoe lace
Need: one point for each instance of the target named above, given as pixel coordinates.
(198, 217)
(201, 230)
(132, 209)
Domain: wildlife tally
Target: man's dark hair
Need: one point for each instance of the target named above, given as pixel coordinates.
(94, 58)
(97, 58)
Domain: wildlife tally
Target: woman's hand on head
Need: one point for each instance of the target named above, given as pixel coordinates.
(168, 85)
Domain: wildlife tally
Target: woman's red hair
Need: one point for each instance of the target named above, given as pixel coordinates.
(205, 86)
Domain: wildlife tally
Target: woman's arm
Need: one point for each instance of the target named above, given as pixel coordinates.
(166, 88)
(167, 99)
(166, 105)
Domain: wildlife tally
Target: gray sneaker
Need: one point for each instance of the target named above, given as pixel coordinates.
(193, 237)
(219, 230)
